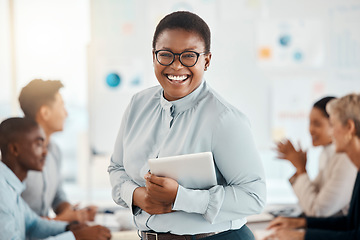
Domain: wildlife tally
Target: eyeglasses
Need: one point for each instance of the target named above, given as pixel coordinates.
(186, 58)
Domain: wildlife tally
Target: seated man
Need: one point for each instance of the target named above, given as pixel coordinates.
(41, 101)
(22, 149)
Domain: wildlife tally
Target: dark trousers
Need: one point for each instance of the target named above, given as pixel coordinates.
(244, 233)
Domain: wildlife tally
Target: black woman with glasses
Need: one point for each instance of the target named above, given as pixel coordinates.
(184, 115)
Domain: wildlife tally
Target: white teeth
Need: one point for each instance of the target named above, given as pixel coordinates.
(177, 78)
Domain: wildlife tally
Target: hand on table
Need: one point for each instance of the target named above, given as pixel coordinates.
(91, 212)
(70, 214)
(286, 223)
(287, 234)
(92, 233)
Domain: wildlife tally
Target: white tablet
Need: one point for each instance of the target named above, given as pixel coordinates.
(194, 171)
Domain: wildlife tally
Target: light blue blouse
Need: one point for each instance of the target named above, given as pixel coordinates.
(17, 220)
(200, 122)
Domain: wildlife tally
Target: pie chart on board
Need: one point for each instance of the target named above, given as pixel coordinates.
(113, 80)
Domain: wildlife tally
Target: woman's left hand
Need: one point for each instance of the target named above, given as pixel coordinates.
(287, 234)
(161, 189)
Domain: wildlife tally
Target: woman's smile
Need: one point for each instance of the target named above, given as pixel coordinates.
(177, 78)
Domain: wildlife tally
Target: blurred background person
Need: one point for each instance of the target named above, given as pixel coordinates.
(22, 145)
(336, 176)
(41, 100)
(345, 122)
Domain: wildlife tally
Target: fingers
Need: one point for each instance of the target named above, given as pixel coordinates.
(276, 223)
(152, 187)
(81, 215)
(155, 179)
(105, 232)
(102, 232)
(285, 147)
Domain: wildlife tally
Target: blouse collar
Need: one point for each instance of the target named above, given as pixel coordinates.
(185, 103)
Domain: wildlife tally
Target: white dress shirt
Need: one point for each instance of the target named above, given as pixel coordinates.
(330, 192)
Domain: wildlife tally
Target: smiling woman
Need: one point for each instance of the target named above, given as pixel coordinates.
(182, 72)
(336, 177)
(345, 121)
(183, 116)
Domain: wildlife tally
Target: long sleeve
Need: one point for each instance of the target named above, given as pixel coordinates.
(318, 234)
(337, 227)
(202, 121)
(35, 227)
(334, 223)
(238, 161)
(60, 195)
(122, 185)
(321, 197)
(39, 228)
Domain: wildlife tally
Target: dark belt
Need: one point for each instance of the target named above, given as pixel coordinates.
(169, 236)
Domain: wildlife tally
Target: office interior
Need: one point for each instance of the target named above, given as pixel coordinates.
(270, 58)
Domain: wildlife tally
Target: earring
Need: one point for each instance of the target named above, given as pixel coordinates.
(205, 68)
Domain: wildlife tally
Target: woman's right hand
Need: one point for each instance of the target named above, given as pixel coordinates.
(287, 151)
(285, 222)
(142, 200)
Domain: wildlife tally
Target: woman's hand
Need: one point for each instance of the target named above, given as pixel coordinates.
(161, 189)
(297, 158)
(289, 223)
(287, 234)
(142, 200)
(158, 196)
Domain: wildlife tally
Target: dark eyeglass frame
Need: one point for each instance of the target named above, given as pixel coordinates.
(178, 54)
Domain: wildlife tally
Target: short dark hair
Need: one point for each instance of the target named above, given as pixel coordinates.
(12, 129)
(321, 104)
(187, 21)
(36, 94)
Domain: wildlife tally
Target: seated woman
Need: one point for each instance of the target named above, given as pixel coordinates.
(345, 121)
(336, 177)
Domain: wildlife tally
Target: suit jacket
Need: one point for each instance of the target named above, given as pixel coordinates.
(346, 227)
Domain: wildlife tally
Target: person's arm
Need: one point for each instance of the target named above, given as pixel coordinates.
(122, 185)
(239, 162)
(67, 212)
(326, 201)
(60, 201)
(40, 228)
(63, 206)
(334, 223)
(319, 234)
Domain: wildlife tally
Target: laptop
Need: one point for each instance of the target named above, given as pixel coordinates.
(195, 171)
